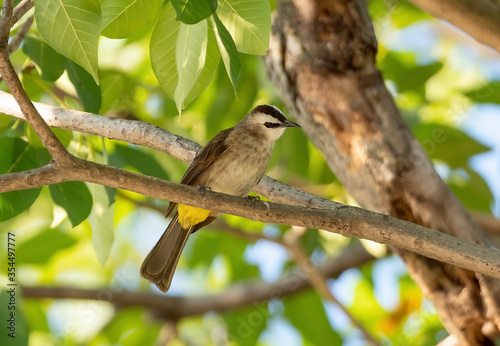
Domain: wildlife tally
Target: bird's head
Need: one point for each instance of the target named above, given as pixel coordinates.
(268, 121)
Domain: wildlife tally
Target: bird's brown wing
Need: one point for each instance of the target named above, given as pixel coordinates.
(203, 160)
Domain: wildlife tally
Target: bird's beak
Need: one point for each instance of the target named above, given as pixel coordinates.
(289, 123)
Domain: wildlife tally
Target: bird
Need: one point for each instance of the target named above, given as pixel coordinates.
(232, 162)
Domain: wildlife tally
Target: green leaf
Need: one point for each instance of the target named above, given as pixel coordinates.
(471, 190)
(245, 325)
(208, 71)
(487, 93)
(193, 11)
(125, 329)
(37, 318)
(184, 57)
(206, 246)
(75, 198)
(88, 91)
(40, 248)
(13, 321)
(111, 90)
(5, 122)
(101, 221)
(399, 12)
(365, 307)
(316, 329)
(404, 13)
(447, 144)
(122, 18)
(17, 155)
(102, 214)
(72, 28)
(141, 160)
(249, 23)
(65, 136)
(162, 50)
(403, 70)
(50, 62)
(190, 54)
(228, 51)
(34, 86)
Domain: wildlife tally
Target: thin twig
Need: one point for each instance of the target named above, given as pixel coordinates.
(20, 35)
(317, 280)
(9, 75)
(234, 297)
(5, 23)
(21, 9)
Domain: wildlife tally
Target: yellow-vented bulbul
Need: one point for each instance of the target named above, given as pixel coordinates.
(232, 162)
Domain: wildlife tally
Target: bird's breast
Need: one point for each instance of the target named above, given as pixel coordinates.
(239, 169)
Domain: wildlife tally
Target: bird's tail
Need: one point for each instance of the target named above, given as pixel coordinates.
(159, 265)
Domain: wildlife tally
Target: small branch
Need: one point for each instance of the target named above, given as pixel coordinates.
(5, 23)
(49, 139)
(147, 135)
(489, 223)
(235, 297)
(478, 18)
(318, 281)
(21, 35)
(129, 131)
(21, 9)
(349, 221)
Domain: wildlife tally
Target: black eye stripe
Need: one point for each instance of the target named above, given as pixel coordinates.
(271, 125)
(270, 110)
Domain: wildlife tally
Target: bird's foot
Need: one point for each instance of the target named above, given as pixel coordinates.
(253, 199)
(203, 189)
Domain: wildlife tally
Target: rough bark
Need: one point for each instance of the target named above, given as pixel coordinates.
(322, 61)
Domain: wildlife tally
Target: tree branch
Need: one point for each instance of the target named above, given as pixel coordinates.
(346, 220)
(21, 9)
(21, 35)
(5, 23)
(489, 223)
(9, 75)
(237, 296)
(147, 135)
(144, 134)
(478, 18)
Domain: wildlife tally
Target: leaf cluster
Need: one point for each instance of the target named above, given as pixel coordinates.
(188, 40)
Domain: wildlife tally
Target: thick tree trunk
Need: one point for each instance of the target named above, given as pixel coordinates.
(322, 60)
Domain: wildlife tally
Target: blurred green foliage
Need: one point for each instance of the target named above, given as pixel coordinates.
(58, 244)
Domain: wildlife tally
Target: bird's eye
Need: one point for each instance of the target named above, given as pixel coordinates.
(271, 125)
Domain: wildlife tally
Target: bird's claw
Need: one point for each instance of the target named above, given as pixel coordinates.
(253, 199)
(203, 189)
